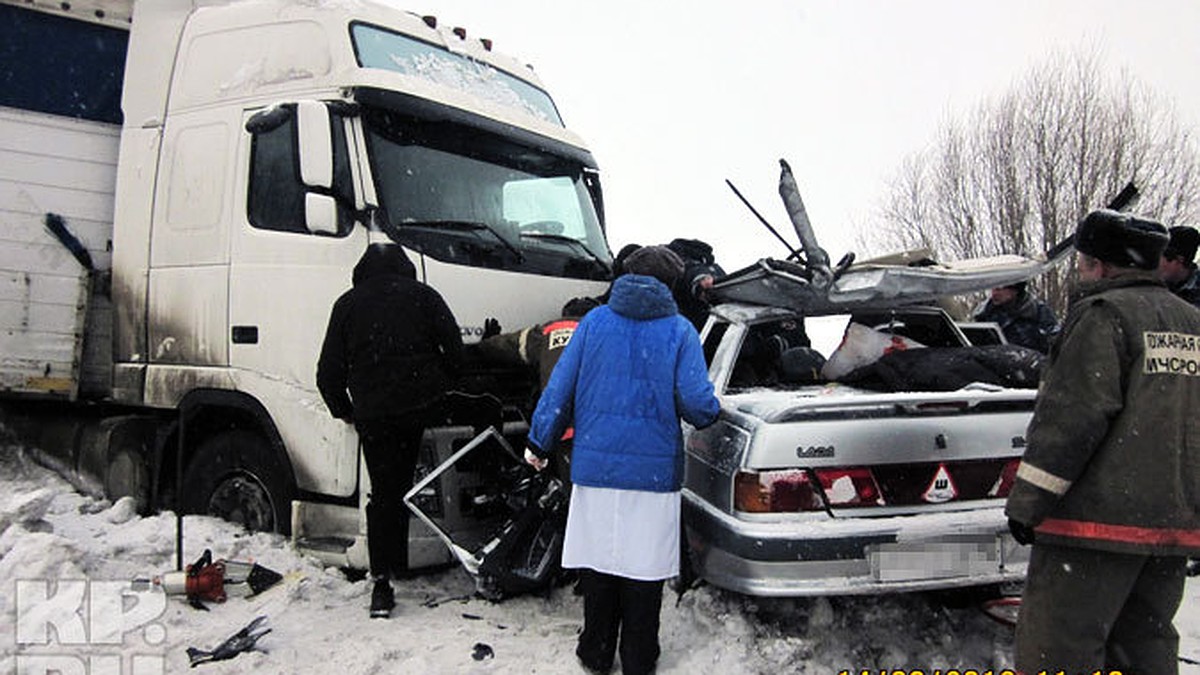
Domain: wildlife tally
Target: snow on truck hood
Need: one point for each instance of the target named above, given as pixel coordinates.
(873, 284)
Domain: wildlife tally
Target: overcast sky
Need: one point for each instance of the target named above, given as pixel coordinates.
(674, 97)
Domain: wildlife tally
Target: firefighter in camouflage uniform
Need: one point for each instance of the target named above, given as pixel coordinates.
(539, 347)
(1108, 491)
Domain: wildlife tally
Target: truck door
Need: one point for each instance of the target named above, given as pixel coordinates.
(292, 252)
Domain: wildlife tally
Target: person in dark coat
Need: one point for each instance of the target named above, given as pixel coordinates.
(1024, 319)
(1178, 265)
(392, 349)
(700, 269)
(1108, 490)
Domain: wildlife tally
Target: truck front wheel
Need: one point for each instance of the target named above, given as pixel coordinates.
(234, 475)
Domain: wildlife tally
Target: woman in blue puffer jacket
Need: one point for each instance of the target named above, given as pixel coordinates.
(632, 370)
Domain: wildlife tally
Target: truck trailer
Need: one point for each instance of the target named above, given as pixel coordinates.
(185, 187)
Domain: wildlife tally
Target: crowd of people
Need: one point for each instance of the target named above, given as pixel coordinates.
(1106, 493)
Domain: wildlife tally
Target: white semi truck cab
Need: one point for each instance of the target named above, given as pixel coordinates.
(168, 281)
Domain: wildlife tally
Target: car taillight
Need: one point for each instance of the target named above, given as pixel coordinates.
(854, 486)
(786, 491)
(1008, 475)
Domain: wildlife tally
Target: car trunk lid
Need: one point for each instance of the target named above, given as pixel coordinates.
(872, 454)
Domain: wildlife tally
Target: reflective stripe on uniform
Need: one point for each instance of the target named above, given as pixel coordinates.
(523, 345)
(1125, 533)
(1043, 479)
(564, 324)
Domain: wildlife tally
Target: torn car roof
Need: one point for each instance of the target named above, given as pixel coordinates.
(873, 284)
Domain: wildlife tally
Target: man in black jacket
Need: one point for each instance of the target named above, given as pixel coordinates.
(391, 350)
(1025, 320)
(700, 269)
(1177, 268)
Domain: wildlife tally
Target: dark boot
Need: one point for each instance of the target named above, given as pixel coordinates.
(382, 599)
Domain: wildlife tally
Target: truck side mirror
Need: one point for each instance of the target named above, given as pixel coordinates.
(316, 144)
(320, 214)
(316, 166)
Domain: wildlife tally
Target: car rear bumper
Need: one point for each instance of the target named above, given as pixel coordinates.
(852, 556)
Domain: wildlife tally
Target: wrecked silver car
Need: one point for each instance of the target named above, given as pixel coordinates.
(877, 462)
(811, 486)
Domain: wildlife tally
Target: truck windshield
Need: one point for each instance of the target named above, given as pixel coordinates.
(467, 196)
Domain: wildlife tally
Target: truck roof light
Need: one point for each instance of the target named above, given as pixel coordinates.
(487, 44)
(460, 32)
(430, 20)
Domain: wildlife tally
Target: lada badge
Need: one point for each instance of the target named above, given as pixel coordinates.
(941, 489)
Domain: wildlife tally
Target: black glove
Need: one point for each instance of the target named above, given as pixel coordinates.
(1021, 532)
(491, 327)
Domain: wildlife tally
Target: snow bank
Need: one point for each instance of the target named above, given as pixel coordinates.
(51, 535)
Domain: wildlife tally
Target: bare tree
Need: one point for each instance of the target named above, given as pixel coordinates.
(1017, 174)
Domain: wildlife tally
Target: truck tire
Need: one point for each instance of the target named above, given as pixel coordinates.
(126, 471)
(234, 475)
(127, 476)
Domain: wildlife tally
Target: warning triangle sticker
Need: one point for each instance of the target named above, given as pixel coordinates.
(941, 489)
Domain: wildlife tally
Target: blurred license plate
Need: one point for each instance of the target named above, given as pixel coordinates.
(935, 558)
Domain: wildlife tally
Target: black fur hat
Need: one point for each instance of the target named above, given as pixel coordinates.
(618, 266)
(692, 250)
(577, 307)
(1184, 242)
(659, 262)
(1121, 239)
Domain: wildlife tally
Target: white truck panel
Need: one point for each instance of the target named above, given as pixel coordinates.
(49, 164)
(19, 286)
(49, 315)
(279, 57)
(114, 13)
(41, 332)
(540, 298)
(189, 318)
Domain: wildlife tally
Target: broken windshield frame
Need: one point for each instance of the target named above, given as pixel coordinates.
(431, 171)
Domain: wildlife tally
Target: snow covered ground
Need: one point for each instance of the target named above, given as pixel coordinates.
(58, 549)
